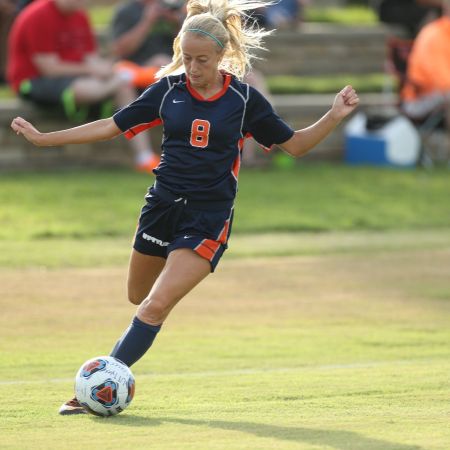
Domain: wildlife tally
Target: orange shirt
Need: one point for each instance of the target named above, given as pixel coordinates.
(429, 61)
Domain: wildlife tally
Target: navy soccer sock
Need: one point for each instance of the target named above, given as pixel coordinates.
(136, 340)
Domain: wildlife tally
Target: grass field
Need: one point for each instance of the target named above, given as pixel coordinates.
(312, 340)
(85, 204)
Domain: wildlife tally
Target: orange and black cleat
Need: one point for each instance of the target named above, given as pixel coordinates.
(72, 407)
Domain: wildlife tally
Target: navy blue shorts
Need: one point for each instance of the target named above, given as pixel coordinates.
(168, 222)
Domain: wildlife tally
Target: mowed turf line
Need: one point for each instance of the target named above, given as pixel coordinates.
(105, 204)
(345, 350)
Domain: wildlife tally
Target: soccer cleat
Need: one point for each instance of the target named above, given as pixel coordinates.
(71, 407)
(148, 165)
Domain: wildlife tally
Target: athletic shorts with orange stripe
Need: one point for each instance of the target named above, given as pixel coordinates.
(168, 222)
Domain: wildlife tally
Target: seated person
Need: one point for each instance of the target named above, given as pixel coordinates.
(53, 61)
(142, 36)
(427, 84)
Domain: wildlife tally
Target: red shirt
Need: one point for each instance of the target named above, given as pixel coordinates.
(42, 28)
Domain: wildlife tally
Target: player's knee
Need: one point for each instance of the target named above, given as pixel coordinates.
(154, 309)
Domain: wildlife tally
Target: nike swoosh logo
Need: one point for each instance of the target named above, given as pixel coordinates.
(177, 101)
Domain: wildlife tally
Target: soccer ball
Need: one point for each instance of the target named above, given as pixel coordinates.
(104, 386)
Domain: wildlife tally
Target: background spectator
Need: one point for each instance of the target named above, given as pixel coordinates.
(142, 35)
(428, 77)
(53, 61)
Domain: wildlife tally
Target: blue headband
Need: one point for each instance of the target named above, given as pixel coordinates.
(197, 30)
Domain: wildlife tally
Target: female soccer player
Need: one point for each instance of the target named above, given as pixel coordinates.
(206, 113)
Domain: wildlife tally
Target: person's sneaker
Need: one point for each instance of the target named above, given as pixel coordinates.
(148, 165)
(71, 407)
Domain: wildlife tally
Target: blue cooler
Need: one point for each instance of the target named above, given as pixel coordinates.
(395, 143)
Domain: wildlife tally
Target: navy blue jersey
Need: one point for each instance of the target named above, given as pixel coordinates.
(202, 138)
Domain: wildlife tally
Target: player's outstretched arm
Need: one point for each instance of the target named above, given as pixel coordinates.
(304, 140)
(100, 130)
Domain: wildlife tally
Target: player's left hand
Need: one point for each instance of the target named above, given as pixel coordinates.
(345, 102)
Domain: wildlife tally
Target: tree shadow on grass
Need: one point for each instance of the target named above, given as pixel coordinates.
(337, 439)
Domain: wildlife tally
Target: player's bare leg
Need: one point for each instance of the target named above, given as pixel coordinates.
(183, 271)
(143, 271)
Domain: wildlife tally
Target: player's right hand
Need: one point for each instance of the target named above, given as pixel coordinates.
(27, 130)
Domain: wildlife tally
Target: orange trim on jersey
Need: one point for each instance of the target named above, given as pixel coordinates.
(129, 134)
(223, 237)
(237, 162)
(207, 249)
(241, 143)
(195, 94)
(236, 166)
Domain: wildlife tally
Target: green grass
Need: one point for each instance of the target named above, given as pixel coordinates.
(5, 92)
(86, 204)
(288, 84)
(101, 16)
(113, 252)
(342, 351)
(305, 340)
(350, 15)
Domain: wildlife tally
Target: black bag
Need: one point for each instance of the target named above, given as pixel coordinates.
(405, 13)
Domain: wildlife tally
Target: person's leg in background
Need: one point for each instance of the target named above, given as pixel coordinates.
(89, 90)
(139, 78)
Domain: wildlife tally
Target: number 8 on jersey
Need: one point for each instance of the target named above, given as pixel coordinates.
(200, 133)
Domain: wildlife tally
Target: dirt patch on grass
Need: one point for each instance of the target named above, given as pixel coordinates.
(331, 287)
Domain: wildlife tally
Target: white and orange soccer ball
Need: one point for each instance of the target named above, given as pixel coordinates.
(104, 386)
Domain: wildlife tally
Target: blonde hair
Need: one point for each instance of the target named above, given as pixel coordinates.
(226, 22)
